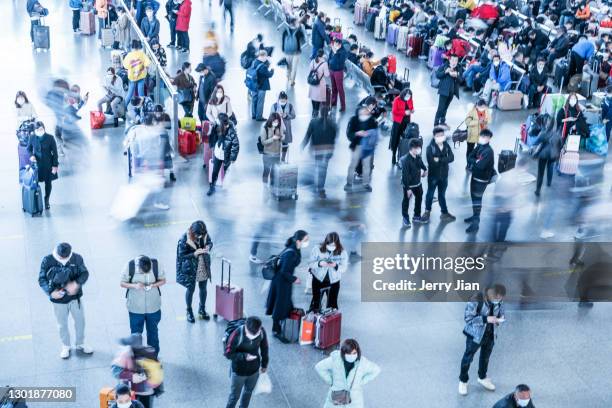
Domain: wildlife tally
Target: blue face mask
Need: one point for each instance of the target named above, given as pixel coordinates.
(496, 302)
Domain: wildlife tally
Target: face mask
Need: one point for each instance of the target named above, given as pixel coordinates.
(124, 404)
(363, 118)
(540, 67)
(39, 133)
(275, 124)
(496, 63)
(20, 101)
(251, 336)
(331, 247)
(440, 139)
(283, 103)
(350, 358)
(150, 15)
(572, 102)
(305, 244)
(219, 95)
(482, 141)
(522, 402)
(496, 302)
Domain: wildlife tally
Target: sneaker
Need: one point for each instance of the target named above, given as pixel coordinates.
(463, 389)
(281, 338)
(419, 220)
(367, 188)
(211, 191)
(487, 384)
(254, 259)
(161, 206)
(184, 50)
(83, 348)
(203, 315)
(473, 228)
(170, 45)
(425, 217)
(189, 316)
(65, 353)
(546, 234)
(172, 177)
(447, 217)
(477, 93)
(406, 221)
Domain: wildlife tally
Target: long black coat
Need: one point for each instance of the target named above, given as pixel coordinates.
(448, 86)
(279, 303)
(187, 262)
(45, 151)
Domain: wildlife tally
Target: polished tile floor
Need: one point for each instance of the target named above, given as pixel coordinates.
(559, 350)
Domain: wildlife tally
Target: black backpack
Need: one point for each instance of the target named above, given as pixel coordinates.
(231, 327)
(271, 266)
(313, 76)
(132, 271)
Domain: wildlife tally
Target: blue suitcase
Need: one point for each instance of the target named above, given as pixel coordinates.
(32, 201)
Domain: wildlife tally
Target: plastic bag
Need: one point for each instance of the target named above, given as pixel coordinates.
(264, 384)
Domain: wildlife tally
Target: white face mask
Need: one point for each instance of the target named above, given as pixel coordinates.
(540, 68)
(522, 402)
(305, 244)
(149, 14)
(283, 103)
(496, 63)
(251, 336)
(363, 118)
(482, 140)
(124, 404)
(275, 124)
(572, 102)
(39, 132)
(20, 101)
(331, 247)
(418, 152)
(350, 358)
(440, 139)
(219, 95)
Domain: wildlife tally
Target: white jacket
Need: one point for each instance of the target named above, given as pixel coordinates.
(331, 370)
(334, 273)
(116, 89)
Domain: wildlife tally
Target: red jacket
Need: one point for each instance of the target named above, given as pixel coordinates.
(485, 12)
(400, 106)
(183, 16)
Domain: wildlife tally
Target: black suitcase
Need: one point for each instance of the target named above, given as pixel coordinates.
(41, 37)
(506, 161)
(402, 150)
(412, 131)
(560, 72)
(370, 22)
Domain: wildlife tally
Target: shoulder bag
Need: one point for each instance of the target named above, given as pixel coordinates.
(343, 397)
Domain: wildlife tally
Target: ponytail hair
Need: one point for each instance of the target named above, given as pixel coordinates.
(297, 236)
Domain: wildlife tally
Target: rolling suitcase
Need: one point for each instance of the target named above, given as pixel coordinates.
(284, 180)
(568, 162)
(31, 194)
(186, 142)
(506, 160)
(402, 38)
(380, 27)
(560, 71)
(328, 329)
(509, 100)
(107, 35)
(228, 299)
(360, 13)
(392, 31)
(370, 21)
(42, 40)
(87, 23)
(290, 327)
(415, 45)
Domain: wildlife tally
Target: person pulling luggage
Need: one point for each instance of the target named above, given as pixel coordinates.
(43, 151)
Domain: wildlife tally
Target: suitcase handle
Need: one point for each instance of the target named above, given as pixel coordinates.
(229, 273)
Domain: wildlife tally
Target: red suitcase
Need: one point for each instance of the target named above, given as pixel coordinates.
(392, 64)
(327, 330)
(415, 45)
(186, 142)
(228, 299)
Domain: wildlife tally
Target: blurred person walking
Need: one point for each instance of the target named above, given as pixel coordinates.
(321, 135)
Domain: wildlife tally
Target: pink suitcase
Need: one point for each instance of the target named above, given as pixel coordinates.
(510, 100)
(221, 175)
(359, 17)
(568, 163)
(87, 23)
(328, 329)
(228, 299)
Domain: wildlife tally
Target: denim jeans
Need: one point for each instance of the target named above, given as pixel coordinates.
(257, 103)
(172, 23)
(183, 39)
(439, 184)
(138, 322)
(134, 85)
(101, 25)
(470, 73)
(32, 24)
(486, 348)
(321, 164)
(241, 385)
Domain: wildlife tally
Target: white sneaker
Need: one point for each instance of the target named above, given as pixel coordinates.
(255, 259)
(65, 353)
(161, 206)
(84, 349)
(462, 388)
(487, 384)
(546, 234)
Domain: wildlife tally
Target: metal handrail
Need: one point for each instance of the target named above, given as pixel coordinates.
(161, 74)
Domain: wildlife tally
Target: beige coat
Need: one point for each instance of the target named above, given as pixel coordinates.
(473, 126)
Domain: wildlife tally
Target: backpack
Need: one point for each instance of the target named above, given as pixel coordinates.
(271, 266)
(313, 76)
(251, 81)
(246, 60)
(290, 42)
(231, 327)
(132, 271)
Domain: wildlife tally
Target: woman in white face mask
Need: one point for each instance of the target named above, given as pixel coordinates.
(328, 262)
(219, 103)
(25, 110)
(279, 303)
(571, 120)
(346, 371)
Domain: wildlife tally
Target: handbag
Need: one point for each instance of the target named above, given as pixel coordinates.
(185, 95)
(459, 135)
(343, 397)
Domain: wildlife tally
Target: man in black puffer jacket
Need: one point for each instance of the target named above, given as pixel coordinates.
(413, 169)
(247, 347)
(62, 275)
(481, 163)
(439, 156)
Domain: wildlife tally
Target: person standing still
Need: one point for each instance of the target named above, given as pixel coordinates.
(247, 348)
(62, 276)
(439, 156)
(258, 97)
(142, 278)
(183, 18)
(76, 6)
(337, 60)
(42, 149)
(483, 315)
(449, 75)
(481, 164)
(413, 169)
(172, 8)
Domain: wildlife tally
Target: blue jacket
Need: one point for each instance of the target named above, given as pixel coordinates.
(75, 4)
(502, 77)
(150, 28)
(584, 48)
(476, 323)
(606, 109)
(318, 34)
(263, 76)
(337, 60)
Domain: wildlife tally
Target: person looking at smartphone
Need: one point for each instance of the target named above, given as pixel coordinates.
(142, 278)
(328, 261)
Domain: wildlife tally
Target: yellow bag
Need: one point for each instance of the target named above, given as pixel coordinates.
(153, 370)
(188, 123)
(393, 15)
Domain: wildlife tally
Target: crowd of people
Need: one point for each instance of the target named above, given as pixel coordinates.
(492, 49)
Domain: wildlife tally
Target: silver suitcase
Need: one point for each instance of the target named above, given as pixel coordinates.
(284, 181)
